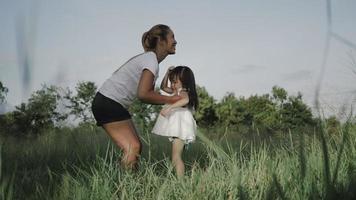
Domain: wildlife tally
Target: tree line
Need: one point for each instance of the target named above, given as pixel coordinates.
(51, 106)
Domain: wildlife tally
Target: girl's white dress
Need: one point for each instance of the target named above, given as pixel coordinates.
(179, 123)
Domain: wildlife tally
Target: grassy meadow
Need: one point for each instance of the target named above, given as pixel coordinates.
(82, 163)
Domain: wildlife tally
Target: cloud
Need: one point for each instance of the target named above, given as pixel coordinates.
(298, 75)
(247, 69)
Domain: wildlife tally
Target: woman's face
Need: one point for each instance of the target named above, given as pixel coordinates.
(170, 43)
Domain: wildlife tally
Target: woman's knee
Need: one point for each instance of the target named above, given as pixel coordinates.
(133, 148)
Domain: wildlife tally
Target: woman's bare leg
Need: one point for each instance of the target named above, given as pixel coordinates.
(177, 149)
(124, 135)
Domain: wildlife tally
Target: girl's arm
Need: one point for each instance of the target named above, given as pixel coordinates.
(146, 93)
(182, 102)
(164, 83)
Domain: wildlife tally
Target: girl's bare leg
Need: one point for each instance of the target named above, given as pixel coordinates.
(124, 135)
(177, 149)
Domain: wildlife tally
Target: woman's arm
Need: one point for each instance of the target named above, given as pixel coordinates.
(182, 102)
(146, 93)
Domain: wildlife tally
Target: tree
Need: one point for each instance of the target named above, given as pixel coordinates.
(3, 92)
(279, 95)
(296, 113)
(206, 114)
(229, 111)
(38, 114)
(260, 111)
(80, 103)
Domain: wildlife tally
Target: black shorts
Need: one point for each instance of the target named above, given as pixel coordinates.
(106, 110)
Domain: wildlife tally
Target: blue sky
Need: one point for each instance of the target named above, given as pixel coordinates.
(241, 46)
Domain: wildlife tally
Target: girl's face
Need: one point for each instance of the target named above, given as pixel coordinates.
(170, 43)
(176, 83)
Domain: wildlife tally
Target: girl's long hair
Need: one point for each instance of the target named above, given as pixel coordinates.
(186, 76)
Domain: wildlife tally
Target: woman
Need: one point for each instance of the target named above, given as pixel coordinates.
(136, 78)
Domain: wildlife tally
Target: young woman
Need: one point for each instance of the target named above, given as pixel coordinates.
(134, 79)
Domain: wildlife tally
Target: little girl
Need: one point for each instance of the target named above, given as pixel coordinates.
(176, 120)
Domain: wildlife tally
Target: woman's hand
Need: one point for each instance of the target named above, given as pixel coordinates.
(174, 99)
(165, 111)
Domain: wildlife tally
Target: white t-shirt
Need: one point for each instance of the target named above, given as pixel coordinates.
(122, 85)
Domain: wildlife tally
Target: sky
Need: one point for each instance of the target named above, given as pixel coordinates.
(240, 46)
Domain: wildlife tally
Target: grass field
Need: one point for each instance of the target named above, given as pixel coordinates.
(81, 163)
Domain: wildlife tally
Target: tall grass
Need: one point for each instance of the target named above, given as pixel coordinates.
(6, 188)
(82, 164)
